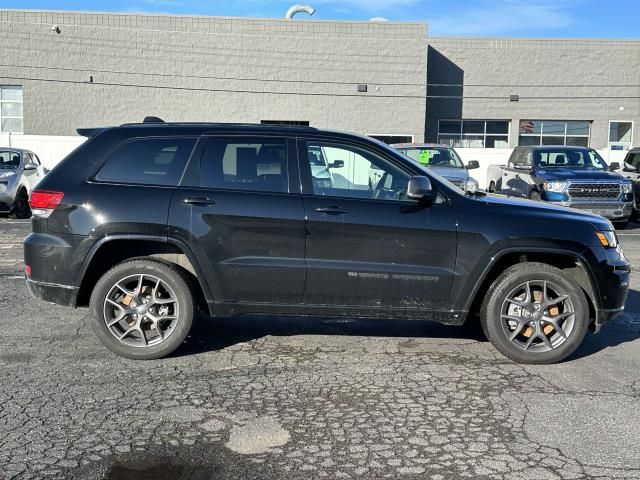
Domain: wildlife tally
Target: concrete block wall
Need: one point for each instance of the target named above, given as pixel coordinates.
(185, 68)
(595, 80)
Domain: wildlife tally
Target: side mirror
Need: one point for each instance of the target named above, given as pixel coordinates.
(629, 168)
(337, 164)
(614, 166)
(420, 189)
(30, 166)
(473, 164)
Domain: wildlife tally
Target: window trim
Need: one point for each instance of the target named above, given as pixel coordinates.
(484, 134)
(21, 101)
(609, 133)
(542, 134)
(92, 176)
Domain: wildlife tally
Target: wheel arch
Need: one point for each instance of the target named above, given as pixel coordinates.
(570, 262)
(112, 250)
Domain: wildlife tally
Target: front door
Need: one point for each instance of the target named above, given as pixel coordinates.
(244, 222)
(368, 246)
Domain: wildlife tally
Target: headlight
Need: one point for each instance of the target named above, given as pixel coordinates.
(627, 187)
(471, 185)
(608, 239)
(555, 186)
(6, 174)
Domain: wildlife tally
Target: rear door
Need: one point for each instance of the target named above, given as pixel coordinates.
(367, 245)
(244, 219)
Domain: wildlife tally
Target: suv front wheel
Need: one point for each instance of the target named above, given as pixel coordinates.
(533, 313)
(142, 309)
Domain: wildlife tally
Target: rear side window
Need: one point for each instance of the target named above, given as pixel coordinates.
(148, 161)
(245, 164)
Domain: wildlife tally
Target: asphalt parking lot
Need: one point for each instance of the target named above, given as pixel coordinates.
(297, 398)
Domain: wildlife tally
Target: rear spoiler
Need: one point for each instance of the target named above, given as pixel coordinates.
(91, 132)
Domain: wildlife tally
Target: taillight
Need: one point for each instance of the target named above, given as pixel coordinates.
(42, 202)
(27, 270)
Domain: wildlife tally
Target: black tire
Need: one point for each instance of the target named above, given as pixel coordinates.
(620, 225)
(21, 207)
(491, 315)
(492, 187)
(173, 277)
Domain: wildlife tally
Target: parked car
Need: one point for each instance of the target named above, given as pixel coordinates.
(631, 170)
(20, 172)
(146, 223)
(444, 160)
(575, 177)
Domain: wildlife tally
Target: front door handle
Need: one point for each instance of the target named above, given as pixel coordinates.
(332, 210)
(198, 201)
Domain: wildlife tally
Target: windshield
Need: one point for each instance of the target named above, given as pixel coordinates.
(562, 158)
(433, 156)
(9, 160)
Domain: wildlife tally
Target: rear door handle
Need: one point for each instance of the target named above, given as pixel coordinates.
(332, 210)
(198, 201)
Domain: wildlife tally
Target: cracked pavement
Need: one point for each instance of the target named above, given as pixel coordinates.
(269, 397)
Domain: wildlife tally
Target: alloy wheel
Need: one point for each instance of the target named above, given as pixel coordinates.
(141, 310)
(537, 316)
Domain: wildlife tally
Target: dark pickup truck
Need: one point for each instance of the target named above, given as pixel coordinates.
(575, 177)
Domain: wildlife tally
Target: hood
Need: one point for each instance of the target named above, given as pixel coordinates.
(578, 174)
(450, 173)
(546, 209)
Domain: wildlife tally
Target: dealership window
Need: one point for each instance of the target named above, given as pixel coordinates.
(11, 118)
(620, 135)
(474, 133)
(554, 132)
(392, 139)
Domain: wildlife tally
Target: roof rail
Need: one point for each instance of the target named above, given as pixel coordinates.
(152, 119)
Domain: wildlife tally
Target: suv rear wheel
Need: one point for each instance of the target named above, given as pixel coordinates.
(142, 309)
(534, 313)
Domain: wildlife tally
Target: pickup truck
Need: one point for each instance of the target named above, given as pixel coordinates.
(631, 170)
(575, 177)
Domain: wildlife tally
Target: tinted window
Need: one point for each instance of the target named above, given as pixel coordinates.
(634, 160)
(354, 172)
(9, 160)
(245, 164)
(149, 161)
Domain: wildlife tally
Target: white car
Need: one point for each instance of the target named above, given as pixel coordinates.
(20, 171)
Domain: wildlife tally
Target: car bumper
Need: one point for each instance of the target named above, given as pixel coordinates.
(53, 292)
(612, 275)
(616, 211)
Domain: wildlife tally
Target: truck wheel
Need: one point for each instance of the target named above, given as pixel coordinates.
(620, 225)
(142, 309)
(21, 207)
(492, 187)
(533, 313)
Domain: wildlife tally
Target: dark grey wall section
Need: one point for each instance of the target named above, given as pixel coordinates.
(595, 80)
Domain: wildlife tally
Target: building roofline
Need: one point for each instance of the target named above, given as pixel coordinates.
(213, 17)
(526, 39)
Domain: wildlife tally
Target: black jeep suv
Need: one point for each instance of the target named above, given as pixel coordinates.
(147, 223)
